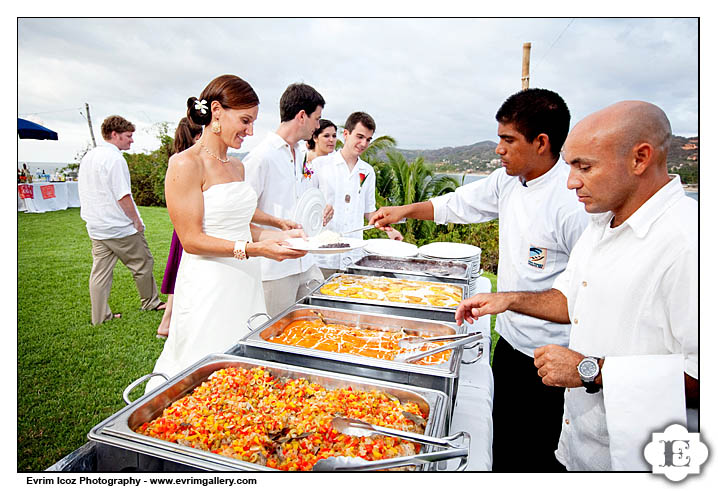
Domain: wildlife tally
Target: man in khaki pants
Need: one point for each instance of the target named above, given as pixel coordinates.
(113, 221)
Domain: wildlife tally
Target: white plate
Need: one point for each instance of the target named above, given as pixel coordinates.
(389, 247)
(309, 211)
(309, 246)
(449, 250)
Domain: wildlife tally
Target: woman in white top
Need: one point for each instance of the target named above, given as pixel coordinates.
(323, 141)
(218, 283)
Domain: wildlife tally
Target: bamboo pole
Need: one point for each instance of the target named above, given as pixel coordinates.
(525, 67)
(89, 123)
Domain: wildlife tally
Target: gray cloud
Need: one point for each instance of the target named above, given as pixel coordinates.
(428, 82)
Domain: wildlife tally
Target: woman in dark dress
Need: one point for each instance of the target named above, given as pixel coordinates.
(186, 135)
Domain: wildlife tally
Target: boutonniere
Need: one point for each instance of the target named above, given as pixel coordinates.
(362, 178)
(306, 170)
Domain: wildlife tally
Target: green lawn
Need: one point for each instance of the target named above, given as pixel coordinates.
(70, 374)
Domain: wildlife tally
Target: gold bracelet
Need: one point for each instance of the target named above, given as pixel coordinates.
(240, 249)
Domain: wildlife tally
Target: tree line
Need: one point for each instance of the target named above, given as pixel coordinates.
(398, 182)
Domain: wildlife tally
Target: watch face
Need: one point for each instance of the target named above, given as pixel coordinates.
(588, 368)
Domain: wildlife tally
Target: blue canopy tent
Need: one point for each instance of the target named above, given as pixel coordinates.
(29, 130)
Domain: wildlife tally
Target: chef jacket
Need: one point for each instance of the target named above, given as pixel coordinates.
(539, 222)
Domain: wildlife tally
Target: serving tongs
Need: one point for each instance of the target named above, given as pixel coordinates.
(321, 316)
(414, 356)
(457, 446)
(367, 227)
(410, 341)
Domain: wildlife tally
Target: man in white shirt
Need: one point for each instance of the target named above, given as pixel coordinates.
(348, 184)
(539, 222)
(113, 221)
(630, 291)
(278, 172)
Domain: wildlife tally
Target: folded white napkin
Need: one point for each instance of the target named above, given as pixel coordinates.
(642, 395)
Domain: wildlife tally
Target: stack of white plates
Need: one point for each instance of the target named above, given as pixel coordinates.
(451, 250)
(309, 212)
(458, 251)
(389, 247)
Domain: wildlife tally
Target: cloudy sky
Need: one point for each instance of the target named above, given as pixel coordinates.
(428, 83)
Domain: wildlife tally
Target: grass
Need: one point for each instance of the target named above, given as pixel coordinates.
(71, 374)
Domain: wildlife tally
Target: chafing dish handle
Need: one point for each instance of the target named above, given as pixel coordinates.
(346, 262)
(126, 392)
(478, 357)
(319, 283)
(252, 317)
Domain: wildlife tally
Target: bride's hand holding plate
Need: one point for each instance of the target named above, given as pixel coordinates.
(293, 234)
(273, 249)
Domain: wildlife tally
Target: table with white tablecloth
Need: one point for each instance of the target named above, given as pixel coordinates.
(474, 401)
(39, 197)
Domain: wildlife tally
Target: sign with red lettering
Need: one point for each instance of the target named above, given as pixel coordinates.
(25, 191)
(48, 192)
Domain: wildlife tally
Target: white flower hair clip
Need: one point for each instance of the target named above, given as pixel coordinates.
(201, 106)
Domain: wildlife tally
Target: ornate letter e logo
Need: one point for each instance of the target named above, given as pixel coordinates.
(676, 453)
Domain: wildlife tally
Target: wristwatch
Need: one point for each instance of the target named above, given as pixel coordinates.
(588, 370)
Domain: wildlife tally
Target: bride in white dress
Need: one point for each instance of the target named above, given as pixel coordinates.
(219, 279)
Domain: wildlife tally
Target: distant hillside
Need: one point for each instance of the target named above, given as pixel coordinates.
(481, 157)
(477, 157)
(683, 158)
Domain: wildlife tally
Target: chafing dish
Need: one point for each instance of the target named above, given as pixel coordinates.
(119, 446)
(443, 377)
(415, 268)
(426, 312)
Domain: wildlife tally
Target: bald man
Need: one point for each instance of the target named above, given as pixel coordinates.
(630, 292)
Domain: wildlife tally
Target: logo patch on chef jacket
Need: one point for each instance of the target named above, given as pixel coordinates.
(537, 257)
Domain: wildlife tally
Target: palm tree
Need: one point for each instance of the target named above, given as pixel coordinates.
(370, 155)
(415, 182)
(445, 184)
(380, 144)
(385, 183)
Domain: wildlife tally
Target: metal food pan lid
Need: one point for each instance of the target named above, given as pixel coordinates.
(430, 267)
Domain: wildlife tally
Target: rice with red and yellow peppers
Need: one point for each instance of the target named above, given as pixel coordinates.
(285, 424)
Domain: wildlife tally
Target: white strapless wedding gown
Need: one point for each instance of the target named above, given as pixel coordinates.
(214, 296)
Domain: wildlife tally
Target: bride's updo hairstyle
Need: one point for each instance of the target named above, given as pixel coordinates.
(229, 90)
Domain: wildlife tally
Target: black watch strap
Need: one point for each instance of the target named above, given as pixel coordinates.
(591, 387)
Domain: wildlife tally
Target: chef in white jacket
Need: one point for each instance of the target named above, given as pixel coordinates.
(630, 292)
(539, 223)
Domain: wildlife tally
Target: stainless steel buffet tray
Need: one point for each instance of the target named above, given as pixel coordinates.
(427, 312)
(119, 441)
(413, 268)
(443, 377)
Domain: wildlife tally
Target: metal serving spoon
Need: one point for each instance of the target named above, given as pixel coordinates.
(367, 227)
(359, 464)
(357, 427)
